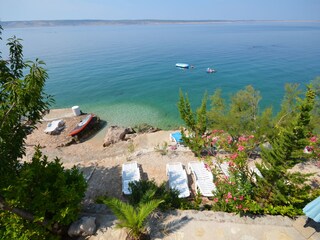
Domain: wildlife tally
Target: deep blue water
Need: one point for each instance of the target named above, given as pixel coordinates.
(127, 74)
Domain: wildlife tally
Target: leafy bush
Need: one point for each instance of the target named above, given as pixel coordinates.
(47, 191)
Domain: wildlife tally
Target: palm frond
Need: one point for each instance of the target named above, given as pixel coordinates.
(145, 209)
(120, 209)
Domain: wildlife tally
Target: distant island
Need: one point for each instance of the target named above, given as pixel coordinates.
(53, 23)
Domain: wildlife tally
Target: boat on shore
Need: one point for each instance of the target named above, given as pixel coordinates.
(210, 70)
(82, 125)
(182, 65)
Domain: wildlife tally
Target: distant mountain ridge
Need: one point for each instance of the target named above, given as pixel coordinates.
(53, 23)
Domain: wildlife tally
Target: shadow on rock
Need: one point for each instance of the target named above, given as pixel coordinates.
(163, 224)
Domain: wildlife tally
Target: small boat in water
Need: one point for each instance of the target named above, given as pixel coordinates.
(210, 70)
(182, 65)
(82, 125)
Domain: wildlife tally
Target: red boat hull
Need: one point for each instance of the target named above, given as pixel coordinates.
(81, 126)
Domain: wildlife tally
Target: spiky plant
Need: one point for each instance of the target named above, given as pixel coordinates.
(132, 218)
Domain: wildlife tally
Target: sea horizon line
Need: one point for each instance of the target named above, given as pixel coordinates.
(97, 22)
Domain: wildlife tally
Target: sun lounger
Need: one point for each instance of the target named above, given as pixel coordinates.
(224, 167)
(54, 126)
(178, 179)
(203, 178)
(255, 171)
(130, 173)
(176, 137)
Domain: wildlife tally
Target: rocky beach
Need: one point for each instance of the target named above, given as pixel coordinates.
(101, 167)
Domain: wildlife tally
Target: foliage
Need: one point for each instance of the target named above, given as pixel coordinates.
(22, 102)
(242, 114)
(36, 198)
(145, 190)
(196, 122)
(132, 217)
(234, 191)
(280, 187)
(289, 105)
(46, 190)
(314, 147)
(162, 149)
(315, 120)
(279, 191)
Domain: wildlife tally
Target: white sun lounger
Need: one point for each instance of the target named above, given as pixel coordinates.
(203, 178)
(178, 179)
(255, 171)
(54, 126)
(130, 173)
(224, 167)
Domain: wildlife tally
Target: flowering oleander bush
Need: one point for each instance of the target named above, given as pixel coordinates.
(219, 140)
(235, 190)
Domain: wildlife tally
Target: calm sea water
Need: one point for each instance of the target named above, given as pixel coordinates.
(126, 73)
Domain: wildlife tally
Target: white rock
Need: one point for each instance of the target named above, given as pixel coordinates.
(85, 226)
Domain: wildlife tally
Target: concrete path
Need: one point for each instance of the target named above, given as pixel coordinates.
(208, 225)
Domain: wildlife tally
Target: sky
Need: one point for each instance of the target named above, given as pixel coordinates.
(21, 10)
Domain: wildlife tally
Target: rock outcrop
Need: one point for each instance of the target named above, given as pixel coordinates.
(116, 134)
(85, 226)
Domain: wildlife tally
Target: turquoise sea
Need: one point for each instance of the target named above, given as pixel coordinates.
(126, 73)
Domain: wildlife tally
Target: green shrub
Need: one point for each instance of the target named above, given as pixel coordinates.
(46, 190)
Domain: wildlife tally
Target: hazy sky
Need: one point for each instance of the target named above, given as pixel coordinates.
(162, 9)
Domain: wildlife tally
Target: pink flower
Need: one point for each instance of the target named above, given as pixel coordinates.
(240, 148)
(239, 206)
(234, 156)
(229, 195)
(313, 139)
(251, 136)
(231, 164)
(227, 200)
(241, 198)
(229, 139)
(242, 139)
(235, 198)
(215, 199)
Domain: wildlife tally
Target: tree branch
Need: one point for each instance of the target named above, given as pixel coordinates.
(21, 213)
(7, 113)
